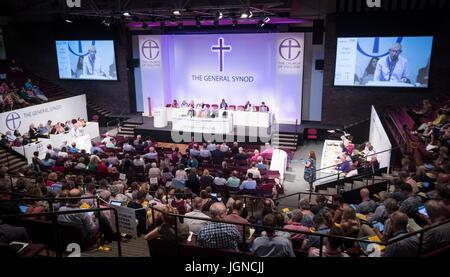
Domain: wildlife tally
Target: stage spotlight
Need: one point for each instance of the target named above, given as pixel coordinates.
(107, 22)
(250, 14)
(266, 19)
(219, 15)
(176, 12)
(69, 21)
(261, 23)
(244, 14)
(127, 14)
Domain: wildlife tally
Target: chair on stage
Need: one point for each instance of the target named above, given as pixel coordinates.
(231, 107)
(215, 106)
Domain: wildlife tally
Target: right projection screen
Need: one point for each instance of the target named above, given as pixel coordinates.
(383, 61)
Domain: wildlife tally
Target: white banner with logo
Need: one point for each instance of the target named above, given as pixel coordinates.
(56, 111)
(236, 67)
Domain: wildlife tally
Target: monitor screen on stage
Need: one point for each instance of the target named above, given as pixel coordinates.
(86, 59)
(383, 61)
(264, 67)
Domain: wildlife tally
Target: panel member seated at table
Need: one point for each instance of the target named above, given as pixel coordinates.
(199, 105)
(184, 104)
(191, 112)
(212, 113)
(191, 104)
(203, 112)
(223, 105)
(263, 108)
(174, 104)
(247, 105)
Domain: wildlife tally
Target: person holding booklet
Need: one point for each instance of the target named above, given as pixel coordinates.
(310, 170)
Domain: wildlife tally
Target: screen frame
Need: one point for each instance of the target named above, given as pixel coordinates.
(384, 87)
(96, 80)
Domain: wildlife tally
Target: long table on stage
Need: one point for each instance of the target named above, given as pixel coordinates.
(216, 125)
(239, 118)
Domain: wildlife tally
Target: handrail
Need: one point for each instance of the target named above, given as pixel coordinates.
(308, 233)
(356, 176)
(53, 215)
(393, 148)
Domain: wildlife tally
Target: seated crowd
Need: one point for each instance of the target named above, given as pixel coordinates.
(209, 182)
(13, 97)
(353, 161)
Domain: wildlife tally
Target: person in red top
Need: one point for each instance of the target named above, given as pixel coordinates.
(295, 225)
(102, 169)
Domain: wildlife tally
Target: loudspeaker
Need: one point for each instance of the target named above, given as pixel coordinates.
(319, 65)
(318, 28)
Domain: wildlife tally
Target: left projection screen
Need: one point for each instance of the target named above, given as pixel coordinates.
(86, 59)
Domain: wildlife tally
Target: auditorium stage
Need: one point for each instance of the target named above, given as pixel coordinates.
(253, 135)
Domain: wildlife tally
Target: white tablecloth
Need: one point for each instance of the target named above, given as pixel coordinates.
(29, 149)
(240, 118)
(91, 131)
(202, 125)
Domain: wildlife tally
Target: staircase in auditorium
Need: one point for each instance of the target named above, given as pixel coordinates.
(284, 140)
(13, 161)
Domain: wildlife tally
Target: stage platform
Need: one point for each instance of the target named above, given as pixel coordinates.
(253, 135)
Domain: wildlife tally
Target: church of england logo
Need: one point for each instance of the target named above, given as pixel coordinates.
(150, 49)
(13, 121)
(289, 49)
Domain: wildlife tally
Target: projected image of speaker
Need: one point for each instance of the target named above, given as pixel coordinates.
(318, 29)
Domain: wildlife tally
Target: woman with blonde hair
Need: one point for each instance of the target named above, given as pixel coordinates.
(166, 230)
(206, 180)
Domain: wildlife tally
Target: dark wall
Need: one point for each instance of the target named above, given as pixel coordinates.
(33, 44)
(347, 105)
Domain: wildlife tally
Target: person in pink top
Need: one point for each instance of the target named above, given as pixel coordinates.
(255, 156)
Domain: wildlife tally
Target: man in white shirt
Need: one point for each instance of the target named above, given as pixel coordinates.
(205, 153)
(211, 146)
(195, 225)
(224, 147)
(10, 137)
(249, 183)
(106, 139)
(393, 67)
